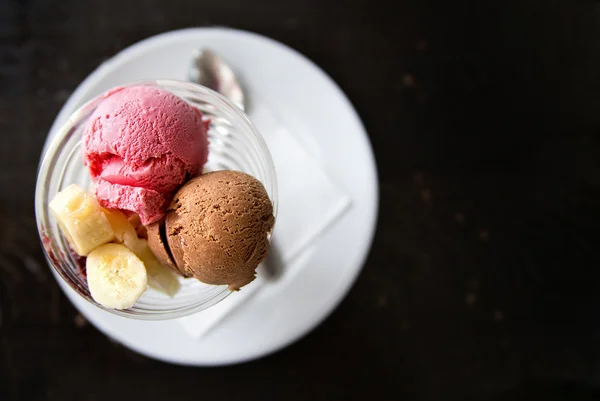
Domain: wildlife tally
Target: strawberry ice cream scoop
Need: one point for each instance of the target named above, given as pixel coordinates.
(140, 145)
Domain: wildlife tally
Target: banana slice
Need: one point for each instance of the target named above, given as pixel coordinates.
(81, 219)
(159, 277)
(120, 224)
(116, 276)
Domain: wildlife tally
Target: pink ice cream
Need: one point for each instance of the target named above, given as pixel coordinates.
(140, 145)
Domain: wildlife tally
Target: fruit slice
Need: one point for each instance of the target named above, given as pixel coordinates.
(159, 277)
(116, 276)
(120, 224)
(81, 219)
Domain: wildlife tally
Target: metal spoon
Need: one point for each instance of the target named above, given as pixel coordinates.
(210, 70)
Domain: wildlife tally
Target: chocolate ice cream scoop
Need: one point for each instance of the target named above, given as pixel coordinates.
(157, 244)
(217, 228)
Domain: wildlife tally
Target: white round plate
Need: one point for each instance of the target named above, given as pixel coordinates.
(310, 102)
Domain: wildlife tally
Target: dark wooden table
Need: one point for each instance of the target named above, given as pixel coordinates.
(484, 278)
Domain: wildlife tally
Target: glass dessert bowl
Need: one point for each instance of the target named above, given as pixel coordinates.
(234, 144)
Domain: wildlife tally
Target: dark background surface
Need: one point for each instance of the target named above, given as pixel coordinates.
(483, 280)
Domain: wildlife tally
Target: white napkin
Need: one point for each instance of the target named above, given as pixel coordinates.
(309, 201)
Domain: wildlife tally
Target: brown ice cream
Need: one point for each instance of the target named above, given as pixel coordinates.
(217, 228)
(156, 243)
